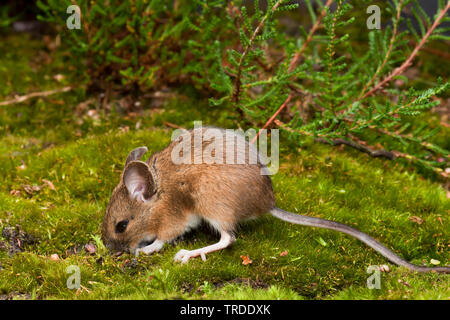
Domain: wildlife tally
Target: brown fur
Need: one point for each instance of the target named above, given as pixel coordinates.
(222, 194)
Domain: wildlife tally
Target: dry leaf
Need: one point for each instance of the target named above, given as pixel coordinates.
(406, 283)
(93, 114)
(49, 184)
(30, 189)
(22, 166)
(58, 102)
(54, 257)
(91, 248)
(58, 77)
(416, 219)
(246, 260)
(435, 262)
(124, 129)
(284, 253)
(83, 106)
(15, 193)
(384, 268)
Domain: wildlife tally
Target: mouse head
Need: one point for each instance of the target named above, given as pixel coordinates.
(125, 224)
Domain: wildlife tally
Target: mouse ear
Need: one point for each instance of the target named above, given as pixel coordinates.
(138, 180)
(136, 154)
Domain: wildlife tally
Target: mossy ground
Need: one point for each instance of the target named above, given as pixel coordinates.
(83, 157)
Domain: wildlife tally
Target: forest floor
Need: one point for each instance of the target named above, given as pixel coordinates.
(62, 155)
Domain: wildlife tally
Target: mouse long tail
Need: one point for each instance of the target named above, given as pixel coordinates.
(371, 242)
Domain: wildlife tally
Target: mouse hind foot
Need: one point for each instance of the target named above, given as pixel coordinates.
(226, 239)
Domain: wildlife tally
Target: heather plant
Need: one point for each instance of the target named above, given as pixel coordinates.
(334, 94)
(313, 84)
(140, 45)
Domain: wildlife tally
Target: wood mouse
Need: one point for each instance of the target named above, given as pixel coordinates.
(159, 200)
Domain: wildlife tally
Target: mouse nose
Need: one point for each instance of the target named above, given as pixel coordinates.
(114, 245)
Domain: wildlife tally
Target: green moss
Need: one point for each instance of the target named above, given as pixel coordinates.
(322, 182)
(83, 161)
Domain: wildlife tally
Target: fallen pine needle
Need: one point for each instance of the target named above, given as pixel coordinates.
(34, 95)
(172, 125)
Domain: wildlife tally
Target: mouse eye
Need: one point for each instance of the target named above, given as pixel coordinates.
(121, 226)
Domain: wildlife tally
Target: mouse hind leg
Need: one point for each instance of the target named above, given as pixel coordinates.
(226, 239)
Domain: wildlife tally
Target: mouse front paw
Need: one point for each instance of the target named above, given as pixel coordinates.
(152, 248)
(145, 250)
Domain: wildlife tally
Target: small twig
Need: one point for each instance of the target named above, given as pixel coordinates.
(336, 142)
(373, 153)
(314, 28)
(172, 125)
(273, 116)
(34, 95)
(391, 155)
(161, 95)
